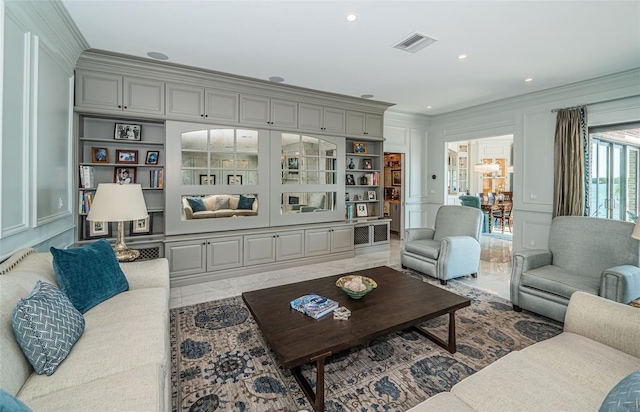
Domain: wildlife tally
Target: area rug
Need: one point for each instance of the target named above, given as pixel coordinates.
(221, 362)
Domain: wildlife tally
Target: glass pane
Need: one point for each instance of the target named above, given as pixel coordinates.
(247, 141)
(632, 184)
(305, 202)
(310, 145)
(247, 161)
(594, 178)
(218, 206)
(194, 159)
(192, 176)
(328, 148)
(310, 178)
(194, 140)
(290, 143)
(617, 207)
(310, 163)
(252, 177)
(222, 140)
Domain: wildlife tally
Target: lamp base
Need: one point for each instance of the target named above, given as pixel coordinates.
(127, 255)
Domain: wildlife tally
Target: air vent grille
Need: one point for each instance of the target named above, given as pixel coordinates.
(414, 42)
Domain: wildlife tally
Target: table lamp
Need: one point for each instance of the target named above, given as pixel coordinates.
(114, 202)
(636, 231)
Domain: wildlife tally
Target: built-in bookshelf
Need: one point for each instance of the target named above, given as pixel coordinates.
(363, 180)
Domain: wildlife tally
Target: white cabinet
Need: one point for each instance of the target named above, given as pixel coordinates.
(371, 234)
(224, 253)
(272, 247)
(395, 211)
(318, 118)
(199, 256)
(97, 90)
(261, 110)
(364, 124)
(199, 103)
(328, 240)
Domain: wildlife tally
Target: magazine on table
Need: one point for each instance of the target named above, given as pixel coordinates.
(314, 305)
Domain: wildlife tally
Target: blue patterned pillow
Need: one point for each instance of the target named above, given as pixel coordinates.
(245, 203)
(196, 204)
(625, 396)
(46, 325)
(9, 403)
(89, 275)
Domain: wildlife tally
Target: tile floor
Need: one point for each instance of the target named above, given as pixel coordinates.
(493, 277)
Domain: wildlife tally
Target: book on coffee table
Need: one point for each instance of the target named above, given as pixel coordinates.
(314, 305)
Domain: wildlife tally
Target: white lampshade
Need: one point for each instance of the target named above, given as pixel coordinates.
(636, 231)
(486, 167)
(114, 202)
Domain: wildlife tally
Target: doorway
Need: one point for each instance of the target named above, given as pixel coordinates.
(394, 192)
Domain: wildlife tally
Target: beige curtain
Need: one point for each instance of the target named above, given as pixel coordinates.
(569, 162)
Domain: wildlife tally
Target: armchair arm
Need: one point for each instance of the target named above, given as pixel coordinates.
(188, 212)
(418, 233)
(458, 255)
(524, 260)
(620, 283)
(147, 273)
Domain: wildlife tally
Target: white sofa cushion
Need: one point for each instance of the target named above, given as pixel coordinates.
(442, 402)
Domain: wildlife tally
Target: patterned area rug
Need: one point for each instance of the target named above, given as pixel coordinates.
(220, 361)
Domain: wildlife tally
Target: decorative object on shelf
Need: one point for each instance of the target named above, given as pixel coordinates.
(346, 196)
(152, 157)
(361, 209)
(97, 229)
(371, 195)
(128, 131)
(356, 286)
(396, 177)
(357, 197)
(207, 179)
(141, 227)
(234, 179)
(350, 180)
(100, 154)
(364, 181)
(359, 147)
(119, 203)
(367, 164)
(351, 164)
(127, 156)
(124, 175)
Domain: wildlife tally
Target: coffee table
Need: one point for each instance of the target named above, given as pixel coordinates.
(399, 302)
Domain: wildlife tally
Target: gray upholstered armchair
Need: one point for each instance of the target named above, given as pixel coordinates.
(451, 249)
(586, 254)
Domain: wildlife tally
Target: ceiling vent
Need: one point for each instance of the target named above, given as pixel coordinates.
(414, 42)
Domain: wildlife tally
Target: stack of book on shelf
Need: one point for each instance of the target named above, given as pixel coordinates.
(349, 214)
(85, 202)
(87, 179)
(314, 305)
(156, 180)
(373, 179)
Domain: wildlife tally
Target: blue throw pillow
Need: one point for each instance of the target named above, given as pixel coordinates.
(245, 203)
(196, 204)
(9, 403)
(625, 396)
(89, 275)
(46, 325)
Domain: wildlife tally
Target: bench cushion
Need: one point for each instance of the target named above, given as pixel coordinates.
(558, 281)
(424, 247)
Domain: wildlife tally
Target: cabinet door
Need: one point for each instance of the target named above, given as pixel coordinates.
(98, 90)
(284, 113)
(255, 109)
(143, 96)
(186, 258)
(221, 105)
(341, 239)
(373, 125)
(310, 116)
(290, 245)
(379, 233)
(362, 235)
(224, 253)
(259, 249)
(317, 242)
(185, 101)
(355, 123)
(334, 120)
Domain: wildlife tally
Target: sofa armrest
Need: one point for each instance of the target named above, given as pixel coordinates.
(621, 283)
(147, 273)
(458, 255)
(522, 261)
(610, 323)
(418, 233)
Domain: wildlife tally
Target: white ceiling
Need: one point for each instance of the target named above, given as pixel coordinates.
(310, 44)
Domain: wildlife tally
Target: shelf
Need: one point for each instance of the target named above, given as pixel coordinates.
(93, 189)
(121, 165)
(135, 142)
(362, 170)
(361, 185)
(362, 155)
(361, 201)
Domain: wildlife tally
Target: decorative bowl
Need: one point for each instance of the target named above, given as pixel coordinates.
(368, 282)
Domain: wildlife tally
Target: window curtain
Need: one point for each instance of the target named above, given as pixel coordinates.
(571, 157)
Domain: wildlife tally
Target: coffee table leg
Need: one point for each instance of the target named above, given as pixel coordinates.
(316, 398)
(451, 345)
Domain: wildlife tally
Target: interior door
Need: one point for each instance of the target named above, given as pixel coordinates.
(608, 180)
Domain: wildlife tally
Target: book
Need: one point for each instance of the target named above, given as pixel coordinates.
(87, 178)
(314, 305)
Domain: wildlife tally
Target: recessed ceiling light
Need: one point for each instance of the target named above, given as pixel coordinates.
(351, 17)
(158, 56)
(367, 96)
(276, 79)
(462, 57)
(529, 79)
(428, 107)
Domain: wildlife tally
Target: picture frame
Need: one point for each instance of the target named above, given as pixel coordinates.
(125, 131)
(371, 195)
(292, 163)
(127, 156)
(359, 147)
(141, 227)
(396, 178)
(96, 229)
(346, 196)
(234, 179)
(361, 210)
(152, 157)
(124, 175)
(350, 180)
(367, 164)
(99, 155)
(357, 197)
(207, 179)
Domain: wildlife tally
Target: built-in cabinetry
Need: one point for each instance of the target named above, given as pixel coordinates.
(326, 240)
(363, 179)
(263, 111)
(318, 118)
(193, 102)
(364, 124)
(373, 233)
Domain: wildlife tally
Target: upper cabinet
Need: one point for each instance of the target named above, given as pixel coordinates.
(318, 118)
(200, 103)
(104, 91)
(364, 124)
(264, 111)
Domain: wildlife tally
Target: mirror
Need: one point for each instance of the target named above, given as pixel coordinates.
(218, 206)
(305, 202)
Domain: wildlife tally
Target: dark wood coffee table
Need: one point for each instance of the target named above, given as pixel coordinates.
(399, 302)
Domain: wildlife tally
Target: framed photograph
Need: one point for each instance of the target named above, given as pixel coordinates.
(346, 196)
(463, 148)
(152, 157)
(126, 131)
(396, 178)
(207, 180)
(124, 175)
(359, 147)
(350, 180)
(357, 197)
(371, 195)
(292, 163)
(361, 210)
(141, 226)
(234, 179)
(96, 230)
(127, 156)
(367, 164)
(100, 155)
